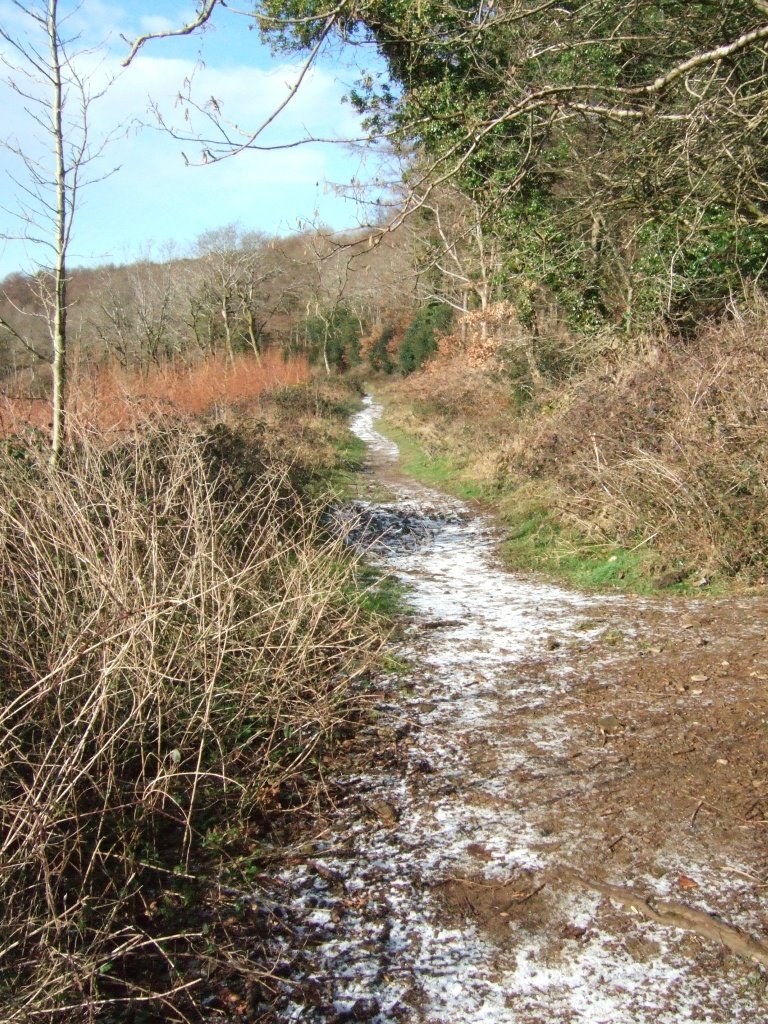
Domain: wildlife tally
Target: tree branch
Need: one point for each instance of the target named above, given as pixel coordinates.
(185, 30)
(709, 56)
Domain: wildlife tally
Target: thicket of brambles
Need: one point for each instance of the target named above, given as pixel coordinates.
(182, 637)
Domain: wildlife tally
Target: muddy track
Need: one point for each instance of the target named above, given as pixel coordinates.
(547, 754)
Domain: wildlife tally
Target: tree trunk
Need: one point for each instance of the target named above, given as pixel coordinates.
(227, 329)
(59, 312)
(254, 333)
(325, 351)
(464, 312)
(483, 292)
(531, 337)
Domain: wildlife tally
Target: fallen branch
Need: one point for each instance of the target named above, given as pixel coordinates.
(677, 915)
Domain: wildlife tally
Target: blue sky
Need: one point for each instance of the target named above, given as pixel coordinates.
(154, 198)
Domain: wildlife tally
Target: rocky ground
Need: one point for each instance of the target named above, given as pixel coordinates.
(566, 815)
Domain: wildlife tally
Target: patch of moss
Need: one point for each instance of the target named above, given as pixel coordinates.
(536, 542)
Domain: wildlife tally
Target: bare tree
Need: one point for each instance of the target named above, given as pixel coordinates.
(459, 261)
(238, 271)
(137, 317)
(48, 70)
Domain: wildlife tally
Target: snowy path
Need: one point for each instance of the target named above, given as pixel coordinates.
(484, 713)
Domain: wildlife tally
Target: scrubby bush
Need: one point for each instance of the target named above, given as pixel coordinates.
(111, 397)
(176, 642)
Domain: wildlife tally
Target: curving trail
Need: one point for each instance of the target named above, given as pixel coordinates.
(451, 901)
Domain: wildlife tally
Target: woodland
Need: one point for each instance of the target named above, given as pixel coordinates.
(559, 292)
(573, 196)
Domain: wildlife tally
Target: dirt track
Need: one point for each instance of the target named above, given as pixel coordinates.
(548, 744)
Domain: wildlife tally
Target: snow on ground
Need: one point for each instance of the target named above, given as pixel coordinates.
(384, 938)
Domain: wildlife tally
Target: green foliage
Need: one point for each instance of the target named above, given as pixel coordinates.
(334, 337)
(537, 542)
(380, 357)
(420, 340)
(622, 201)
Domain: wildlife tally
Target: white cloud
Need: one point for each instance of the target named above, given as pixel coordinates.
(246, 96)
(155, 195)
(157, 23)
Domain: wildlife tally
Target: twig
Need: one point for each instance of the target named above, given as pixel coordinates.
(695, 814)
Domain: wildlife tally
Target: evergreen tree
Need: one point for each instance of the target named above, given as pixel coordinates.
(380, 358)
(420, 340)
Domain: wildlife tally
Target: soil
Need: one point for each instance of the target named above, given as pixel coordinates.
(664, 773)
(549, 764)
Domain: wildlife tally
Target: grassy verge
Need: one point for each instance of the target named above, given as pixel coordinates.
(342, 481)
(457, 453)
(535, 541)
(182, 642)
(443, 471)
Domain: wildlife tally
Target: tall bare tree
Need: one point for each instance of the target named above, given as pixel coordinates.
(51, 73)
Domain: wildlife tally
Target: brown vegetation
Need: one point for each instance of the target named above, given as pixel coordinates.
(180, 639)
(659, 445)
(116, 398)
(666, 447)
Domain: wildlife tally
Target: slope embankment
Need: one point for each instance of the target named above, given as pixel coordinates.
(642, 466)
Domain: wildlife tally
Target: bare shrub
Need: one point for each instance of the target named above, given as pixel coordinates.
(663, 446)
(176, 643)
(114, 398)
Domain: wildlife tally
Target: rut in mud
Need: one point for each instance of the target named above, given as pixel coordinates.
(531, 735)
